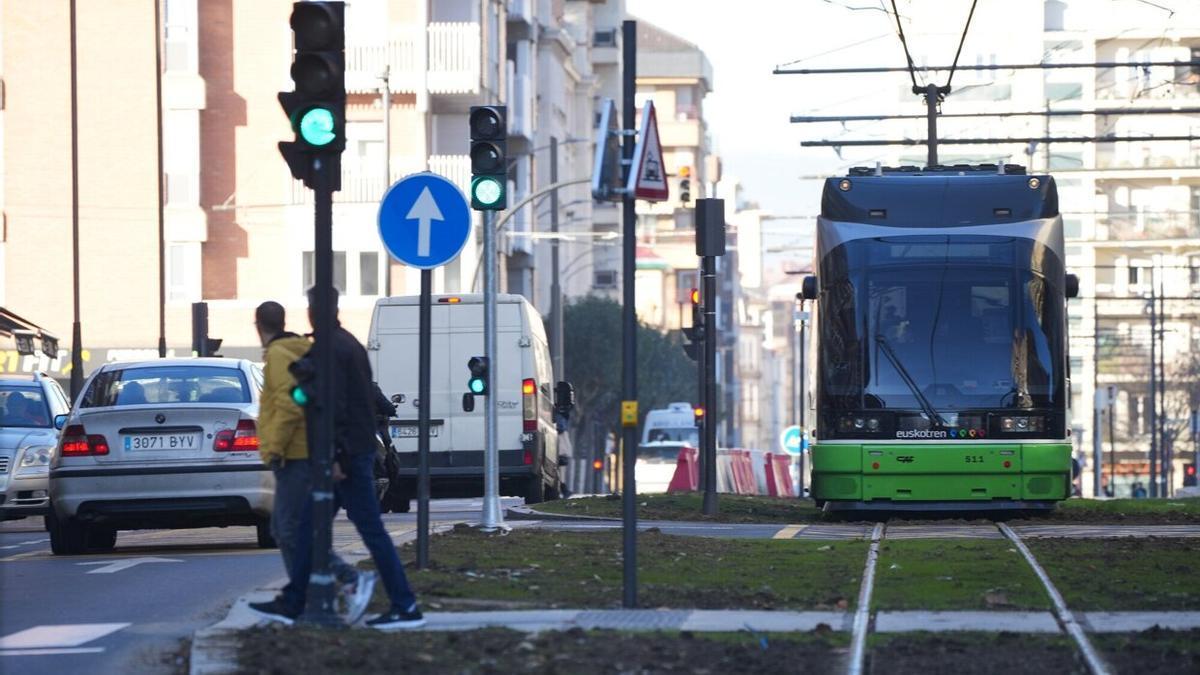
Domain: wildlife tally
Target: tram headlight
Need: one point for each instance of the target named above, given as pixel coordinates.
(1023, 424)
(859, 423)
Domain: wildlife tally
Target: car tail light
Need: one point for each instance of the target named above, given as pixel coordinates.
(76, 442)
(243, 439)
(529, 404)
(528, 457)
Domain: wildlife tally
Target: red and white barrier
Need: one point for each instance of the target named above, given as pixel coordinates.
(687, 471)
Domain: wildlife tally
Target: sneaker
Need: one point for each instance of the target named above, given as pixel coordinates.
(358, 596)
(394, 620)
(275, 610)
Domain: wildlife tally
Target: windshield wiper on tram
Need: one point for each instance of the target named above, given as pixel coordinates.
(926, 406)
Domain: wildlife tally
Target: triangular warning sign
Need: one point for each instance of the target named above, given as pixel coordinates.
(649, 181)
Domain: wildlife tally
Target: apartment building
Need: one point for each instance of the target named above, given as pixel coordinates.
(237, 227)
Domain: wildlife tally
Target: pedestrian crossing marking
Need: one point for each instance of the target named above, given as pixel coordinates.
(59, 636)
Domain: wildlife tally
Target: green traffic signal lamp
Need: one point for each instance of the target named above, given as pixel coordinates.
(299, 396)
(478, 384)
(487, 193)
(317, 126)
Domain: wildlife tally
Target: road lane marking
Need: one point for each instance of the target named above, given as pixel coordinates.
(862, 613)
(789, 531)
(1095, 664)
(19, 544)
(59, 636)
(50, 652)
(113, 566)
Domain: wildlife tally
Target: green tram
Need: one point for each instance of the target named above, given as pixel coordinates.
(941, 341)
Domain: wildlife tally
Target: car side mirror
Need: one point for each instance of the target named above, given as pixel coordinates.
(564, 398)
(60, 421)
(468, 402)
(397, 398)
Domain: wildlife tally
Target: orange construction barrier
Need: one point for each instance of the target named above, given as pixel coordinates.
(687, 471)
(743, 472)
(779, 475)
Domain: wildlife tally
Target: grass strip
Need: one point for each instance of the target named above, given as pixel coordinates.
(317, 652)
(1127, 511)
(527, 568)
(687, 506)
(955, 574)
(1122, 574)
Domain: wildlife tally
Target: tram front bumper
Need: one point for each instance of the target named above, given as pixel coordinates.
(951, 472)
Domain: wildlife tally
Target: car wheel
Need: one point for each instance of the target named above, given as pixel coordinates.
(535, 490)
(67, 537)
(265, 539)
(100, 538)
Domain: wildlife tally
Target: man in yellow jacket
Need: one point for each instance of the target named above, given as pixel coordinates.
(283, 445)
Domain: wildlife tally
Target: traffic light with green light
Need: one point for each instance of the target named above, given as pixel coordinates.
(478, 383)
(304, 370)
(489, 157)
(316, 108)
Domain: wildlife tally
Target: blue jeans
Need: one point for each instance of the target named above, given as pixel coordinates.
(291, 525)
(355, 493)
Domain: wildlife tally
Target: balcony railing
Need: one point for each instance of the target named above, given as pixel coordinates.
(1148, 226)
(453, 51)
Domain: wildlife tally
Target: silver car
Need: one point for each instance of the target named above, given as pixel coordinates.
(28, 407)
(169, 443)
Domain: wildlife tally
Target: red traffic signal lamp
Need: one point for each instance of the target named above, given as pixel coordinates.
(316, 108)
(598, 464)
(1189, 475)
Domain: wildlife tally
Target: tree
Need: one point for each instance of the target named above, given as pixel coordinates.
(592, 361)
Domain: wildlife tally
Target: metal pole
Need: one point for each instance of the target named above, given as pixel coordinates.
(76, 330)
(424, 356)
(702, 421)
(556, 308)
(321, 583)
(931, 112)
(1046, 130)
(493, 518)
(1112, 450)
(162, 264)
(1097, 445)
(386, 94)
(1164, 450)
(1153, 392)
(709, 297)
(803, 397)
(629, 432)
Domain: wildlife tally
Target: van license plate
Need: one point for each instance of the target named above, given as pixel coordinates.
(162, 442)
(410, 431)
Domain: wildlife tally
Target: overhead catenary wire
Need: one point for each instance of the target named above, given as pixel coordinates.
(985, 66)
(912, 73)
(997, 141)
(961, 40)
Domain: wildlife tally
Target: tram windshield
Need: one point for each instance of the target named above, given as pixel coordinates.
(942, 322)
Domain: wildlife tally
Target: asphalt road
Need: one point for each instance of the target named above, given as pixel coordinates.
(126, 611)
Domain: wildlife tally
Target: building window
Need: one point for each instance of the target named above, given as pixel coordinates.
(368, 273)
(1135, 275)
(605, 279)
(309, 271)
(182, 274)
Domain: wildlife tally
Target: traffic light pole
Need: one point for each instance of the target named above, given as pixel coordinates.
(493, 518)
(701, 375)
(321, 590)
(424, 356)
(629, 430)
(708, 296)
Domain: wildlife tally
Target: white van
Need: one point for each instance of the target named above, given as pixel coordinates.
(521, 380)
(674, 424)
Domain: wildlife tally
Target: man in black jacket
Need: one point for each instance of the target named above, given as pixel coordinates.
(354, 445)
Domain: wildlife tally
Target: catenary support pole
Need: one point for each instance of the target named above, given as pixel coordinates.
(385, 93)
(803, 403)
(492, 519)
(1097, 445)
(424, 356)
(931, 113)
(629, 431)
(556, 299)
(76, 330)
(1153, 387)
(158, 116)
(321, 583)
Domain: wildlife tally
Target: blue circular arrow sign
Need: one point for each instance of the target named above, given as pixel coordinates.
(424, 220)
(790, 440)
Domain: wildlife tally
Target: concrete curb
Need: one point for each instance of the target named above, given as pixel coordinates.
(527, 513)
(214, 649)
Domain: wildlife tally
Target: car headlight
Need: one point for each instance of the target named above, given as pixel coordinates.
(1023, 424)
(34, 460)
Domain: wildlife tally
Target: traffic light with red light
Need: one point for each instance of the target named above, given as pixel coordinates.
(1189, 475)
(489, 157)
(316, 108)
